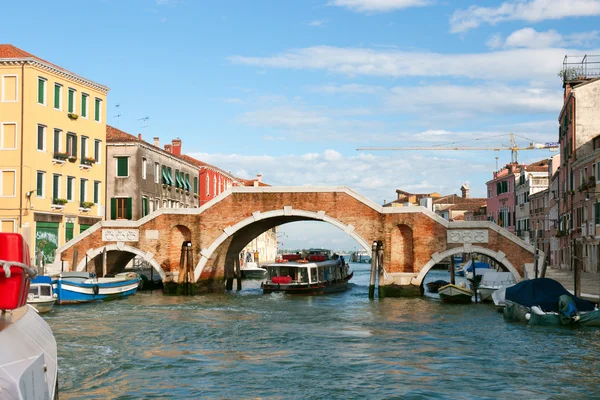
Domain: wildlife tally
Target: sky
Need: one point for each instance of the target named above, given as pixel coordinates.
(290, 89)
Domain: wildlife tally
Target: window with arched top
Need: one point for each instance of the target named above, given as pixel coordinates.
(207, 185)
(215, 185)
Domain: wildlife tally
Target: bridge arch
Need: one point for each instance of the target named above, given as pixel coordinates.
(289, 213)
(499, 256)
(93, 253)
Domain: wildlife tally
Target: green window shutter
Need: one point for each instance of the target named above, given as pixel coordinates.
(83, 228)
(41, 85)
(164, 176)
(40, 184)
(97, 192)
(74, 146)
(187, 182)
(55, 179)
(71, 100)
(170, 176)
(113, 208)
(97, 110)
(177, 178)
(40, 137)
(83, 105)
(128, 212)
(69, 227)
(196, 184)
(498, 188)
(56, 141)
(69, 188)
(56, 96)
(81, 190)
(122, 166)
(144, 206)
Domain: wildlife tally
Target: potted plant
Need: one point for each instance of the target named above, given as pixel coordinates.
(73, 116)
(72, 158)
(87, 204)
(582, 187)
(195, 195)
(164, 185)
(591, 182)
(60, 156)
(88, 161)
(60, 202)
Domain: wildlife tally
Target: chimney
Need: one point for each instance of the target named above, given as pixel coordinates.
(176, 143)
(156, 141)
(168, 148)
(465, 191)
(139, 136)
(259, 177)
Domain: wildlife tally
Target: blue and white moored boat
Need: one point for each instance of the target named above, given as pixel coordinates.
(82, 287)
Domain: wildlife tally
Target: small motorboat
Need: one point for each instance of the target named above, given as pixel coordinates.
(499, 297)
(433, 287)
(492, 281)
(456, 294)
(84, 287)
(41, 296)
(252, 271)
(480, 268)
(544, 301)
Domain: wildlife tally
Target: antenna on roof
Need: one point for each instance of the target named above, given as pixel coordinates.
(118, 113)
(144, 121)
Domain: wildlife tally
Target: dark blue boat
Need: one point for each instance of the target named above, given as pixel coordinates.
(544, 293)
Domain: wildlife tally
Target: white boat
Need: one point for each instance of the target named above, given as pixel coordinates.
(499, 296)
(82, 287)
(492, 281)
(41, 296)
(302, 277)
(252, 271)
(455, 294)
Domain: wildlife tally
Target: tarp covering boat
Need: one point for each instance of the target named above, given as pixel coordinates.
(545, 293)
(478, 265)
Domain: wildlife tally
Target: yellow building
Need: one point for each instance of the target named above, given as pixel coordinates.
(52, 151)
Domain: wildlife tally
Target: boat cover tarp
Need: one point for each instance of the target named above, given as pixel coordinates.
(543, 292)
(478, 265)
(497, 279)
(42, 279)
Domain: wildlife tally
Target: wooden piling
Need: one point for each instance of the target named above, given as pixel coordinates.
(381, 277)
(238, 272)
(452, 279)
(104, 262)
(373, 270)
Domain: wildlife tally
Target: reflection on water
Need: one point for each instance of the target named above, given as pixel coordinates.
(249, 345)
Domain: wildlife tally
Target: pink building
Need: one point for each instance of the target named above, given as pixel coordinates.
(501, 196)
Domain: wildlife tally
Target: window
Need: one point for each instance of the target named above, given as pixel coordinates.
(10, 88)
(70, 188)
(69, 228)
(8, 136)
(177, 180)
(42, 91)
(143, 168)
(96, 192)
(40, 183)
(120, 208)
(144, 206)
(84, 105)
(196, 185)
(97, 150)
(122, 167)
(72, 144)
(71, 105)
(207, 185)
(55, 188)
(97, 110)
(57, 137)
(156, 172)
(170, 176)
(187, 182)
(215, 185)
(8, 183)
(84, 142)
(82, 190)
(58, 96)
(41, 137)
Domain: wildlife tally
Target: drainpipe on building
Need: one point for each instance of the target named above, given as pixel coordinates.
(21, 155)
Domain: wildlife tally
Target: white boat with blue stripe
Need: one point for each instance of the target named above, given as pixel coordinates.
(83, 287)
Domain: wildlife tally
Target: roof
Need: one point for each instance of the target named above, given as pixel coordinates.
(458, 199)
(8, 51)
(203, 164)
(250, 182)
(116, 135)
(538, 166)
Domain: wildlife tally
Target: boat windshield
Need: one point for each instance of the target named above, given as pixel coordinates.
(46, 290)
(34, 291)
(298, 274)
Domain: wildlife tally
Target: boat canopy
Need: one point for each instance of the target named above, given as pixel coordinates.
(543, 292)
(497, 279)
(41, 279)
(478, 265)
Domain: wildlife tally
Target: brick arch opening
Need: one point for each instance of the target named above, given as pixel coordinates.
(177, 235)
(116, 253)
(226, 248)
(402, 251)
(497, 256)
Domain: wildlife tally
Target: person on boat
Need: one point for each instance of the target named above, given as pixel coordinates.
(342, 263)
(256, 255)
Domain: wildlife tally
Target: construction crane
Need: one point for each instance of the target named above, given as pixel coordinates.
(513, 147)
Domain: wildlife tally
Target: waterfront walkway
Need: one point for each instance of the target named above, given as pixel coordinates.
(590, 282)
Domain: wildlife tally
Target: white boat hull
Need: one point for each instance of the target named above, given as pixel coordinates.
(42, 305)
(485, 293)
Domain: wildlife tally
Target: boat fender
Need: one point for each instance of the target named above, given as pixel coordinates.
(95, 289)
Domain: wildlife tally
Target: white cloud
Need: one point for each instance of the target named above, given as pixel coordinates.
(331, 155)
(378, 6)
(530, 38)
(540, 64)
(284, 116)
(522, 10)
(352, 88)
(317, 22)
(474, 100)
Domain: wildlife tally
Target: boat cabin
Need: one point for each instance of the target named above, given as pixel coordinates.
(307, 273)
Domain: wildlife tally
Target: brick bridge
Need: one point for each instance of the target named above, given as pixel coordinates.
(414, 238)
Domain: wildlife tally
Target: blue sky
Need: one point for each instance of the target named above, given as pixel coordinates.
(290, 89)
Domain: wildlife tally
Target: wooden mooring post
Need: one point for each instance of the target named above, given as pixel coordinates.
(185, 267)
(452, 271)
(373, 270)
(381, 277)
(238, 273)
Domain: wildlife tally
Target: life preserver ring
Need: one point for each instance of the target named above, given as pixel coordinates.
(95, 289)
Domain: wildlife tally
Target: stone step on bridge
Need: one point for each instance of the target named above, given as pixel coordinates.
(414, 238)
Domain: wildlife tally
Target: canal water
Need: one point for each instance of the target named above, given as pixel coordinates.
(247, 345)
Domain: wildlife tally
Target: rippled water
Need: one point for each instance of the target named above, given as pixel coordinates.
(340, 346)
